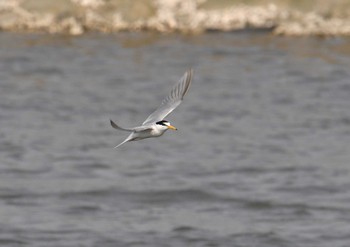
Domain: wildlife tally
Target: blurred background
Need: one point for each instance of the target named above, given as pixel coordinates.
(261, 157)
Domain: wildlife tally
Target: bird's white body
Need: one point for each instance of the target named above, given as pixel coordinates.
(155, 125)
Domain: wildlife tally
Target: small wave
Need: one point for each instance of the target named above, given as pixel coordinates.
(159, 196)
(83, 209)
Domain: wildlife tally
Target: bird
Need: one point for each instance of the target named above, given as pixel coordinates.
(155, 125)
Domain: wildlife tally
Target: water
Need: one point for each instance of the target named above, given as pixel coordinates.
(261, 157)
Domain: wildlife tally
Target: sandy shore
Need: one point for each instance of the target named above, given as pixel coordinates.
(75, 17)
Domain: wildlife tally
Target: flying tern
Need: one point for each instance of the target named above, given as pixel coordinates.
(155, 125)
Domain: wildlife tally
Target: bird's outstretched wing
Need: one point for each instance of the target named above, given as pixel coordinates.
(129, 138)
(135, 129)
(114, 125)
(173, 100)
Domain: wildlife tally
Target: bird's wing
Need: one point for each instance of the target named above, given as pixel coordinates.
(143, 128)
(173, 100)
(114, 125)
(135, 129)
(126, 140)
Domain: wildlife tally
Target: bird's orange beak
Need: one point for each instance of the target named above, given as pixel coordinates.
(171, 127)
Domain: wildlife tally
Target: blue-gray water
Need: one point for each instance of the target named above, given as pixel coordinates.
(261, 158)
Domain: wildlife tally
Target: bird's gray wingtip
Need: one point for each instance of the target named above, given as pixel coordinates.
(188, 80)
(113, 124)
(190, 73)
(190, 70)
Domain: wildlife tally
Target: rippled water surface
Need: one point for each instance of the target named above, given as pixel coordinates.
(261, 158)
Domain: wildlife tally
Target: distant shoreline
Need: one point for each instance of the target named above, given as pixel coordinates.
(76, 17)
